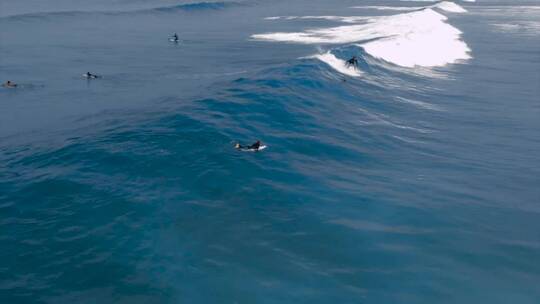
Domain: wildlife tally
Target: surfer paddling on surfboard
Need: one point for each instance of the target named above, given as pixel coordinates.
(88, 75)
(174, 38)
(9, 84)
(254, 147)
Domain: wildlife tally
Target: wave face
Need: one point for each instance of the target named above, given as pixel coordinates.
(420, 38)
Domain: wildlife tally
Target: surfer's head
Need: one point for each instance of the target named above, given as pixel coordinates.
(237, 146)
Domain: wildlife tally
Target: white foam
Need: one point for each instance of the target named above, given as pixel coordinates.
(450, 7)
(433, 0)
(345, 19)
(420, 104)
(519, 27)
(436, 44)
(338, 64)
(388, 8)
(419, 38)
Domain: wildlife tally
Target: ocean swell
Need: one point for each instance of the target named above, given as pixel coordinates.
(194, 6)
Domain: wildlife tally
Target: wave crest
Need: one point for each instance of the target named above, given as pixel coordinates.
(338, 64)
(419, 38)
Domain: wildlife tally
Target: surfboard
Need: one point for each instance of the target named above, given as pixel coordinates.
(174, 40)
(262, 147)
(90, 77)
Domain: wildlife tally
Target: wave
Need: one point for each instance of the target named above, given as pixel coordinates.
(419, 38)
(195, 6)
(338, 64)
(388, 8)
(344, 19)
(519, 27)
(449, 7)
(433, 0)
(198, 6)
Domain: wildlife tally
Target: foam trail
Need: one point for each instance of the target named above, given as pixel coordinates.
(419, 38)
(344, 19)
(388, 8)
(450, 7)
(338, 64)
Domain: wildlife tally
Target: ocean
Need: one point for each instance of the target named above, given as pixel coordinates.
(413, 177)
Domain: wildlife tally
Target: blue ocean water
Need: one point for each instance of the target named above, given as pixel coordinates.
(413, 178)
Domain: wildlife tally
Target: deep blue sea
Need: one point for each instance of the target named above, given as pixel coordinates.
(411, 178)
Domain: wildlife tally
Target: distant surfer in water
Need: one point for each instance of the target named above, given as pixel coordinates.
(256, 146)
(352, 62)
(90, 76)
(9, 84)
(175, 37)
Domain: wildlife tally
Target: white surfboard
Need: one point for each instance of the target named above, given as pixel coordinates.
(262, 147)
(90, 77)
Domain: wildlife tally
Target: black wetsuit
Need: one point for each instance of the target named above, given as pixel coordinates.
(255, 146)
(353, 61)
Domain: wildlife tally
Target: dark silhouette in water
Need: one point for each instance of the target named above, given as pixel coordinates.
(9, 84)
(90, 75)
(254, 146)
(352, 62)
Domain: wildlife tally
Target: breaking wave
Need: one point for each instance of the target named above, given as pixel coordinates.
(421, 38)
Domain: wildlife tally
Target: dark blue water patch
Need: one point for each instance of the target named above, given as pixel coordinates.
(199, 6)
(60, 222)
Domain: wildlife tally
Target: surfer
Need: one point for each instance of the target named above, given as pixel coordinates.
(352, 62)
(9, 84)
(256, 146)
(90, 75)
(175, 37)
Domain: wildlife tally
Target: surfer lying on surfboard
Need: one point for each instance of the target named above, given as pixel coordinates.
(174, 38)
(254, 147)
(88, 75)
(9, 84)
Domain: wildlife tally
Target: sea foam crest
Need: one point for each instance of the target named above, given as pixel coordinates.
(419, 38)
(338, 64)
